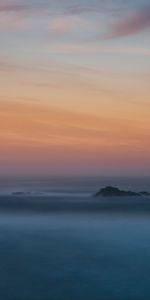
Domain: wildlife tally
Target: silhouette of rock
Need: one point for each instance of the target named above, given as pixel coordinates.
(111, 191)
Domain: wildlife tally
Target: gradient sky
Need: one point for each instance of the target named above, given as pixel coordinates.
(74, 87)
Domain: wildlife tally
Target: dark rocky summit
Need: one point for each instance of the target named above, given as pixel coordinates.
(111, 191)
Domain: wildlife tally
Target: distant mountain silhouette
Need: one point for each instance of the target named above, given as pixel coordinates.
(110, 191)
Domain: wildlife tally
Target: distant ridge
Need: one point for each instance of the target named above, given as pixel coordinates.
(110, 191)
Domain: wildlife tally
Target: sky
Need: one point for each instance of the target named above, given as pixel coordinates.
(74, 87)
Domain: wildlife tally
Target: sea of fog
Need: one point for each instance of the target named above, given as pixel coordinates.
(74, 256)
(57, 242)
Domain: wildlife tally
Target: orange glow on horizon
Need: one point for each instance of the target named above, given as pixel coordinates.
(83, 119)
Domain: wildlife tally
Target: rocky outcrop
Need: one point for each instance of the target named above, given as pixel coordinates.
(111, 191)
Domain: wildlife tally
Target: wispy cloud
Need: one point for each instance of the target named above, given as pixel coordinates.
(13, 14)
(12, 6)
(93, 6)
(62, 25)
(69, 7)
(79, 9)
(128, 24)
(134, 23)
(84, 48)
(66, 15)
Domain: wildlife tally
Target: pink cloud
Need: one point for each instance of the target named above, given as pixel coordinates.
(13, 14)
(11, 6)
(63, 25)
(133, 24)
(60, 26)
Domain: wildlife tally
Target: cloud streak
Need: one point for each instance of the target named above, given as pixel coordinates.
(9, 6)
(131, 25)
(64, 12)
(75, 25)
(84, 48)
(72, 7)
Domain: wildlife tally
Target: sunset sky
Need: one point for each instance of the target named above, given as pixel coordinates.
(74, 87)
